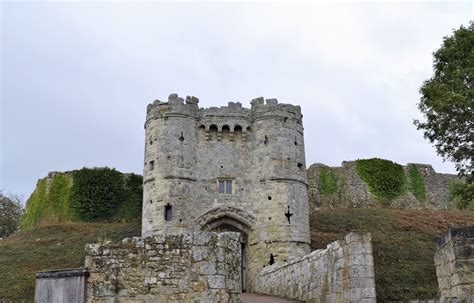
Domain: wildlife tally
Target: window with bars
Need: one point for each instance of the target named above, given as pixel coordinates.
(225, 187)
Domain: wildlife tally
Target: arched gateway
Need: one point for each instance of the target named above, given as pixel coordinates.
(226, 218)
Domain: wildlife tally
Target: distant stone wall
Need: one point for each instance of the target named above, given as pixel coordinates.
(352, 191)
(190, 267)
(343, 272)
(454, 261)
(60, 286)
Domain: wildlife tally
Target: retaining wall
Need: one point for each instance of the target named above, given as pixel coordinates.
(343, 272)
(454, 262)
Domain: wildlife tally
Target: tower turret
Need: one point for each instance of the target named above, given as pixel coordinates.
(170, 164)
(280, 196)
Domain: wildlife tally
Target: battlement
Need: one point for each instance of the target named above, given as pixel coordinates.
(260, 107)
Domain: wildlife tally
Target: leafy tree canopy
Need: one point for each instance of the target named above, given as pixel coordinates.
(447, 101)
(11, 211)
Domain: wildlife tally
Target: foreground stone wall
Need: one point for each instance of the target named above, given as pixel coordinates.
(190, 267)
(60, 286)
(343, 272)
(454, 261)
(352, 192)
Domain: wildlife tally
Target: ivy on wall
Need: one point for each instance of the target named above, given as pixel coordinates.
(385, 179)
(416, 183)
(49, 203)
(86, 194)
(327, 184)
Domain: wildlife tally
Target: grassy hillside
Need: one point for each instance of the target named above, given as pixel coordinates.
(50, 247)
(404, 243)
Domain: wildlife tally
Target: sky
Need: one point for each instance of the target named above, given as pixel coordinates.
(76, 77)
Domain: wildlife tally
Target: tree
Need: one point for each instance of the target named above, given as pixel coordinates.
(11, 210)
(447, 101)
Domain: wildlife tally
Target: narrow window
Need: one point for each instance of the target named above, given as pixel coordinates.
(228, 187)
(152, 165)
(168, 212)
(225, 187)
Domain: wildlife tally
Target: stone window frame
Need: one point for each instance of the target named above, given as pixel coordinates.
(227, 188)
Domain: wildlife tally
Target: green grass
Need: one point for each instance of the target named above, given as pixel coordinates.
(404, 243)
(50, 247)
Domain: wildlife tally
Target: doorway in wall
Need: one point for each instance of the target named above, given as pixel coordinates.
(228, 224)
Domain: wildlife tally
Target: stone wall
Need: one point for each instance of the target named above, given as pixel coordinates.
(343, 272)
(454, 262)
(60, 286)
(190, 267)
(352, 192)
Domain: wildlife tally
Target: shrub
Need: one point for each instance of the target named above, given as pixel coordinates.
(385, 179)
(97, 192)
(462, 194)
(416, 183)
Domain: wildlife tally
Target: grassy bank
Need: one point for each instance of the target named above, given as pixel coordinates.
(50, 247)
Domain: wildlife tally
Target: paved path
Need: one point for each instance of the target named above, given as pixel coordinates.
(254, 298)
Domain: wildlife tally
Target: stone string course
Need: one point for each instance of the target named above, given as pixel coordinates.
(354, 193)
(190, 267)
(454, 262)
(343, 272)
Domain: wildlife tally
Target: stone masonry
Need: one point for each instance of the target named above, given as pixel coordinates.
(354, 193)
(454, 262)
(343, 272)
(190, 267)
(228, 169)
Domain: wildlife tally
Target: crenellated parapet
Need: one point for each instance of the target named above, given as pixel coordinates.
(271, 109)
(176, 106)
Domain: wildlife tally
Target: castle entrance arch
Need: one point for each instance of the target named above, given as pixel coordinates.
(229, 219)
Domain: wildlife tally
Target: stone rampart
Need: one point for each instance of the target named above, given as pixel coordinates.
(350, 191)
(454, 262)
(343, 272)
(190, 267)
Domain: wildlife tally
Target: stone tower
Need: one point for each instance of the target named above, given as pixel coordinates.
(228, 169)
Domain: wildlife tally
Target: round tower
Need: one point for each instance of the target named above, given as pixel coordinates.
(280, 196)
(169, 167)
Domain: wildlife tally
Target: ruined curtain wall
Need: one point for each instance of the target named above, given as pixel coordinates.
(454, 261)
(190, 267)
(343, 272)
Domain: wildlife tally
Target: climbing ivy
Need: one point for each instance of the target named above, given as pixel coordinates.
(49, 203)
(97, 192)
(131, 208)
(327, 184)
(385, 179)
(416, 183)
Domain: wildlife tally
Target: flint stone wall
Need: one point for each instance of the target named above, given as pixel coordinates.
(60, 286)
(343, 272)
(190, 267)
(354, 193)
(454, 262)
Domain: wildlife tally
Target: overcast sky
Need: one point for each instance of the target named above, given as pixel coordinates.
(77, 77)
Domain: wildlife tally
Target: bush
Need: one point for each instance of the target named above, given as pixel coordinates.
(11, 211)
(97, 192)
(385, 179)
(462, 194)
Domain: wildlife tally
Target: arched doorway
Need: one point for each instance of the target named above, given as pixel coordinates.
(221, 220)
